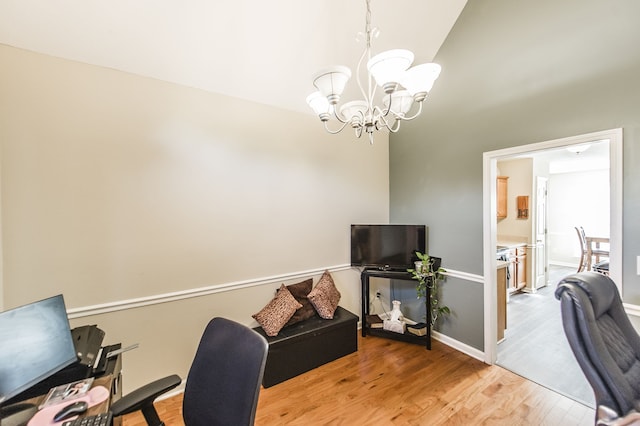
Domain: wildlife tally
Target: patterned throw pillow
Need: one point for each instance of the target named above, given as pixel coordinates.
(325, 296)
(301, 291)
(277, 312)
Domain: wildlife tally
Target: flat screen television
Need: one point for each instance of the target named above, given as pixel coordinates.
(35, 342)
(391, 247)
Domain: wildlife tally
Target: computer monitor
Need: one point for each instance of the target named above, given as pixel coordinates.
(35, 342)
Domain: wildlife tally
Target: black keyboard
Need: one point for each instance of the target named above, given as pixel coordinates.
(104, 419)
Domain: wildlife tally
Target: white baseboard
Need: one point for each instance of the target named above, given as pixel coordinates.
(177, 391)
(633, 310)
(459, 346)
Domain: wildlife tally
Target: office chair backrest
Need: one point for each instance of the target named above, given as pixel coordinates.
(602, 339)
(224, 380)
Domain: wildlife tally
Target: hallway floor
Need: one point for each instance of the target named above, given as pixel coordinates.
(535, 346)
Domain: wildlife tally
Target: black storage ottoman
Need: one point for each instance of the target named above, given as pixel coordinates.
(309, 344)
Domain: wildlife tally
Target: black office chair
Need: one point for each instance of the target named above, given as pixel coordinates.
(605, 344)
(223, 384)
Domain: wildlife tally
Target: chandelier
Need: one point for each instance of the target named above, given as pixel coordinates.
(403, 87)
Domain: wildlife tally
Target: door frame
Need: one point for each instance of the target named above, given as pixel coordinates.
(540, 255)
(489, 173)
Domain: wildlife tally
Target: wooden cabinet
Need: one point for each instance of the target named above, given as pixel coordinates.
(501, 189)
(517, 269)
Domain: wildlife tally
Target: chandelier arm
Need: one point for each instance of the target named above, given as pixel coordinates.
(382, 114)
(416, 114)
(339, 117)
(382, 122)
(379, 111)
(333, 132)
(370, 92)
(388, 110)
(358, 80)
(362, 119)
(371, 86)
(393, 128)
(396, 128)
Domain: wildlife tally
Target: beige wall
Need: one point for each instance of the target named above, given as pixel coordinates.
(117, 187)
(520, 182)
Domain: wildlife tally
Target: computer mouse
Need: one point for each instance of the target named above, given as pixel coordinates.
(71, 410)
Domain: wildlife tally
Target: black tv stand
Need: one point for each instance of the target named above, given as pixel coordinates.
(394, 275)
(386, 268)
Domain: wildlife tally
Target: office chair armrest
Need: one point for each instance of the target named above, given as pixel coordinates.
(143, 397)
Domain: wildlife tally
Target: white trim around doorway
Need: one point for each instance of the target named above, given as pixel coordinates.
(490, 226)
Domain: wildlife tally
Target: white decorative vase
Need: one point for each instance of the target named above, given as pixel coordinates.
(395, 322)
(396, 314)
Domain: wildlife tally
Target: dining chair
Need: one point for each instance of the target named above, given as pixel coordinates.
(590, 248)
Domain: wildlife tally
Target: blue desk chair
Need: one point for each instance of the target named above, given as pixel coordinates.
(223, 384)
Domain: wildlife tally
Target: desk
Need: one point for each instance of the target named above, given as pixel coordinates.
(106, 381)
(27, 409)
(110, 379)
(394, 275)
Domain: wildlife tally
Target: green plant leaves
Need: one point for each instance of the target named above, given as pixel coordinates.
(428, 278)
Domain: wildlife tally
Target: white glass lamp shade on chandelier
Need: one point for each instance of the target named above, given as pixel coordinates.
(403, 88)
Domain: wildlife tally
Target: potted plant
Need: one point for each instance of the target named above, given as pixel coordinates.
(428, 276)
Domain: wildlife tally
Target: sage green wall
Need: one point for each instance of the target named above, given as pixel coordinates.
(515, 73)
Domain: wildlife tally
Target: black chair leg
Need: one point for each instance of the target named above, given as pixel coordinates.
(151, 416)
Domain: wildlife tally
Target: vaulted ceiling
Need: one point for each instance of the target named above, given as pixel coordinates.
(264, 51)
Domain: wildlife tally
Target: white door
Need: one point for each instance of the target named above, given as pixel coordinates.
(540, 267)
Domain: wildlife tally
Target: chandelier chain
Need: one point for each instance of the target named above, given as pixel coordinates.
(367, 27)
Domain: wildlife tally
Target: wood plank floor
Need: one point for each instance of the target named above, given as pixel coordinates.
(387, 382)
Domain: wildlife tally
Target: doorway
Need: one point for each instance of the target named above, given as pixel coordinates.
(561, 184)
(490, 226)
